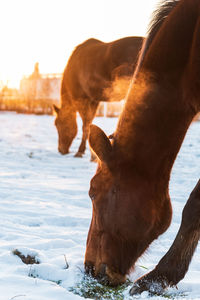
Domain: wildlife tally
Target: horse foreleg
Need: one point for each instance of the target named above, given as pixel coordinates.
(82, 147)
(87, 112)
(174, 265)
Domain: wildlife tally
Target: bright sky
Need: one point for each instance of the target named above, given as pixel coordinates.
(46, 31)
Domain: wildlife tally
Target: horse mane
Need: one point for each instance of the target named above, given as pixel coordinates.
(158, 17)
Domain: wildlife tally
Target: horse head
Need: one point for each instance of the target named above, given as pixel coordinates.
(66, 125)
(125, 218)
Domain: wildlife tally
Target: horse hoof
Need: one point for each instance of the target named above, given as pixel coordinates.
(93, 157)
(139, 287)
(135, 290)
(78, 154)
(154, 288)
(155, 285)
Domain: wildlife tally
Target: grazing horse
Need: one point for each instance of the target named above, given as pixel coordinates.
(90, 77)
(130, 190)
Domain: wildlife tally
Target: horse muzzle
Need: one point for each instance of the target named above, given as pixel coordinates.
(63, 150)
(104, 274)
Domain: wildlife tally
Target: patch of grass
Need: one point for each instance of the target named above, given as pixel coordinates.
(88, 287)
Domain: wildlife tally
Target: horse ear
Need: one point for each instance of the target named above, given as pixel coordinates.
(56, 108)
(100, 144)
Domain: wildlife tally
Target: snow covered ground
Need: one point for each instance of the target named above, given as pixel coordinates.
(45, 211)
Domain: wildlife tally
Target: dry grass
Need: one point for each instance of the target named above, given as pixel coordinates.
(28, 106)
(28, 260)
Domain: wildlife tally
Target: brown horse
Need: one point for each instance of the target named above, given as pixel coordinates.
(89, 78)
(129, 192)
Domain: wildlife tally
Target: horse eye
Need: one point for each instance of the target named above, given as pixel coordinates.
(92, 197)
(91, 194)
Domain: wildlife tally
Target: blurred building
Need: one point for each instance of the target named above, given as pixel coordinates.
(9, 93)
(41, 86)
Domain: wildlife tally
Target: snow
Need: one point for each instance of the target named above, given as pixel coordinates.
(45, 211)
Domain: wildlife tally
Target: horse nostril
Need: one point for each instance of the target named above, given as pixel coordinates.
(102, 276)
(102, 271)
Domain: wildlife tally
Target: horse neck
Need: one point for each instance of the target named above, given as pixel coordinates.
(68, 109)
(157, 114)
(151, 128)
(67, 103)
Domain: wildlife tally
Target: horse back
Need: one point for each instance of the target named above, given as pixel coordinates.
(94, 64)
(124, 52)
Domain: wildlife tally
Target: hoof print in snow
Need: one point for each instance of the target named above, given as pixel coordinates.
(28, 260)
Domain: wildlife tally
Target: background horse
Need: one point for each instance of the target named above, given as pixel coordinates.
(130, 191)
(90, 77)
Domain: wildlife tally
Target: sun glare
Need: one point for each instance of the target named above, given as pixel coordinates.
(47, 31)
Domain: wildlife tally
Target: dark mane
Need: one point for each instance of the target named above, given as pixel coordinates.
(158, 16)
